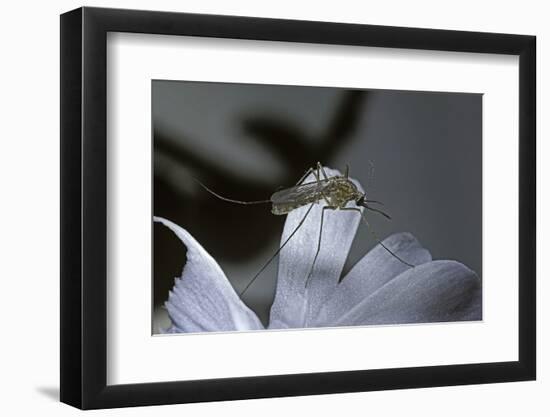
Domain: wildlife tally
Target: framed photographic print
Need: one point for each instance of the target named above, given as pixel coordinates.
(258, 207)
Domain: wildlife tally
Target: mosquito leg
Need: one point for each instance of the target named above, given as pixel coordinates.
(375, 236)
(309, 171)
(346, 174)
(322, 169)
(318, 244)
(278, 250)
(317, 174)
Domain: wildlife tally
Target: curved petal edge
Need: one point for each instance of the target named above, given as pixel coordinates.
(202, 299)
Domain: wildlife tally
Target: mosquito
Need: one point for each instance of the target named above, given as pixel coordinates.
(336, 192)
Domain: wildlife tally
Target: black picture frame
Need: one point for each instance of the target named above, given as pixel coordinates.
(84, 209)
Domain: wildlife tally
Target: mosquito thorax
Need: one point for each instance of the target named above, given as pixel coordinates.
(340, 191)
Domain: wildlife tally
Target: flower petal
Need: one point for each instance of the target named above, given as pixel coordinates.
(294, 305)
(437, 291)
(373, 271)
(203, 299)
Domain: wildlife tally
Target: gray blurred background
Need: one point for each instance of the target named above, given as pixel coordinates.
(245, 141)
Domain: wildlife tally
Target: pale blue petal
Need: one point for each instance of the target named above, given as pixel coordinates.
(437, 291)
(373, 271)
(202, 298)
(294, 305)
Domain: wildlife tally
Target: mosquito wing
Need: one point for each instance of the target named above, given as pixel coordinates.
(300, 194)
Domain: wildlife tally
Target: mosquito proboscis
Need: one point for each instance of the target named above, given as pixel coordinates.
(336, 192)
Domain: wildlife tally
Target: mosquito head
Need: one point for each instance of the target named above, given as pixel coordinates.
(361, 200)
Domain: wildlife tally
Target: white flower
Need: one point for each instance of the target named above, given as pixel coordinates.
(378, 290)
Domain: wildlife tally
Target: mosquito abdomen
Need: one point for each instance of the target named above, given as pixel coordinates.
(281, 209)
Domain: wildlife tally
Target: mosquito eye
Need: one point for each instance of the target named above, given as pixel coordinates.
(360, 201)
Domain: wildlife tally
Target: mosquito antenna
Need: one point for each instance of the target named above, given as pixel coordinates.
(381, 244)
(230, 200)
(387, 216)
(363, 202)
(374, 202)
(278, 250)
